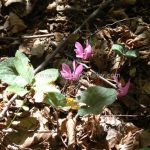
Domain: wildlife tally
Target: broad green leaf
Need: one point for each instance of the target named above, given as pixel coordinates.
(23, 67)
(58, 100)
(9, 74)
(46, 76)
(17, 90)
(95, 98)
(119, 49)
(132, 53)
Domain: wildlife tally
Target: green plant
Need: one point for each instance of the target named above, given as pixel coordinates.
(18, 73)
(121, 50)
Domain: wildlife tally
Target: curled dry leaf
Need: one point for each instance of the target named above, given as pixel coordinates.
(127, 143)
(70, 125)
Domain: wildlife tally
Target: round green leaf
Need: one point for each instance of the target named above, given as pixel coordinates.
(58, 100)
(96, 98)
(9, 75)
(23, 67)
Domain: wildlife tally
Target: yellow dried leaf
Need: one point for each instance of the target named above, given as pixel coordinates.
(72, 103)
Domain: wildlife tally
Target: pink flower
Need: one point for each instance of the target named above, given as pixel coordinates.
(122, 90)
(67, 74)
(83, 53)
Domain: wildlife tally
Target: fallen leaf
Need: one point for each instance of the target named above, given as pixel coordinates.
(16, 24)
(38, 48)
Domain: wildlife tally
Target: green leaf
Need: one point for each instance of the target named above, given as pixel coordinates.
(132, 53)
(96, 98)
(58, 100)
(9, 74)
(119, 49)
(46, 76)
(23, 67)
(17, 90)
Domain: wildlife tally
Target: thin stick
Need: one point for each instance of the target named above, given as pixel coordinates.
(99, 76)
(126, 116)
(26, 37)
(7, 106)
(64, 43)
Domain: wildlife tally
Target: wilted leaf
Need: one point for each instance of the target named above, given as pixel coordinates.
(56, 99)
(9, 74)
(17, 90)
(46, 76)
(23, 67)
(96, 98)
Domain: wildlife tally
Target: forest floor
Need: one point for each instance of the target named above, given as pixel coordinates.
(104, 104)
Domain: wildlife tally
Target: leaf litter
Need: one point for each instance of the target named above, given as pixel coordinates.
(69, 114)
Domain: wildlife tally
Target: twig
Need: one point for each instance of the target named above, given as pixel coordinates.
(7, 106)
(25, 37)
(63, 44)
(145, 116)
(99, 76)
(119, 21)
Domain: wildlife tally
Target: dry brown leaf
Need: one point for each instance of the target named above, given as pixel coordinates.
(38, 48)
(70, 125)
(127, 143)
(16, 24)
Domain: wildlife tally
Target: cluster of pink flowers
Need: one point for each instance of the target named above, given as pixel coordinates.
(85, 54)
(82, 53)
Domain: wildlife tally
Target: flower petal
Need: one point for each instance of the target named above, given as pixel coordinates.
(79, 50)
(88, 52)
(66, 72)
(122, 91)
(74, 64)
(77, 72)
(66, 68)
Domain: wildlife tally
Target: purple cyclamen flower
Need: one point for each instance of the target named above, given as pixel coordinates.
(67, 74)
(83, 53)
(122, 90)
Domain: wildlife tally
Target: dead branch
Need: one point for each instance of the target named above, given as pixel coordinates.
(2, 114)
(103, 5)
